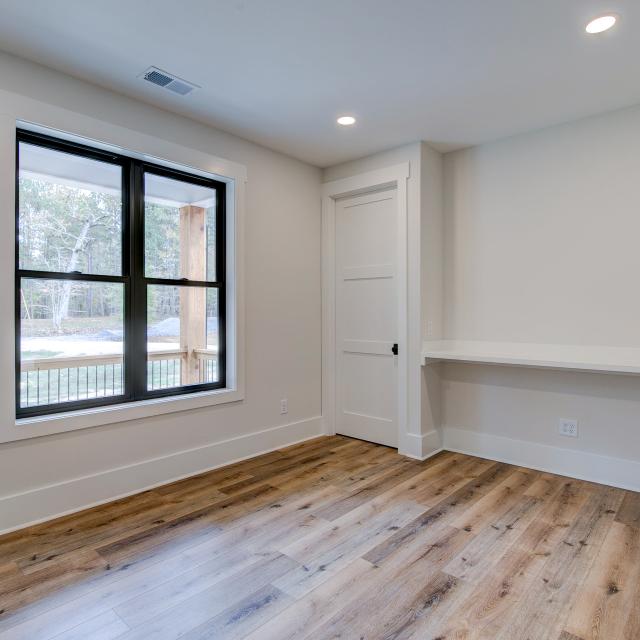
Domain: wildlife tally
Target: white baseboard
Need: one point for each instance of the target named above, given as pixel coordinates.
(54, 500)
(582, 465)
(422, 446)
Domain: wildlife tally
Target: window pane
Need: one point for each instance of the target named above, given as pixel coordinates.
(180, 229)
(182, 336)
(71, 341)
(70, 212)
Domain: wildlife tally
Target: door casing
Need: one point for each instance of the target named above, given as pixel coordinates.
(395, 176)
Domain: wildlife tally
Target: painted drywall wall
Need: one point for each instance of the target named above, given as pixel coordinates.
(541, 245)
(541, 235)
(42, 476)
(424, 246)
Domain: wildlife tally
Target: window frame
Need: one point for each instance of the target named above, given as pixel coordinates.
(132, 277)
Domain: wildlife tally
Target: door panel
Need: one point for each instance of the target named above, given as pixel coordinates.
(368, 310)
(364, 372)
(366, 317)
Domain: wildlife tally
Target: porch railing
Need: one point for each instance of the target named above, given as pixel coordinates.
(207, 365)
(54, 380)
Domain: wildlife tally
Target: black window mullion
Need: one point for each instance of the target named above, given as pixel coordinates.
(126, 253)
(136, 342)
(66, 275)
(184, 282)
(221, 233)
(222, 337)
(221, 274)
(17, 284)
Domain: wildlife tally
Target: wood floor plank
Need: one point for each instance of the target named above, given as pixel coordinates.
(106, 626)
(243, 617)
(141, 522)
(322, 554)
(629, 511)
(508, 572)
(417, 590)
(235, 564)
(496, 502)
(439, 479)
(609, 589)
(335, 538)
(40, 544)
(191, 523)
(439, 513)
(393, 476)
(179, 618)
(63, 610)
(8, 570)
(319, 471)
(273, 526)
(546, 604)
(314, 609)
(367, 468)
(20, 589)
(215, 480)
(486, 547)
(501, 532)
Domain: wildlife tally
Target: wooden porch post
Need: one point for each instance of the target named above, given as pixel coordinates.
(193, 331)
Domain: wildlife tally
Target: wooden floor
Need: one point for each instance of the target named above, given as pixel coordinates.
(335, 538)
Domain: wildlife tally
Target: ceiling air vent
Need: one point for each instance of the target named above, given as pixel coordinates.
(167, 81)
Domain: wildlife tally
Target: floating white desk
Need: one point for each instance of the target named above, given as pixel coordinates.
(621, 360)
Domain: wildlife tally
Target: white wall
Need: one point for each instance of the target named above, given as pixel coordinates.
(541, 245)
(282, 298)
(542, 235)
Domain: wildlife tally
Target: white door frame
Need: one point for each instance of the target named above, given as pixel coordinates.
(395, 176)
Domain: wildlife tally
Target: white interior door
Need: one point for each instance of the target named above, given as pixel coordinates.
(366, 317)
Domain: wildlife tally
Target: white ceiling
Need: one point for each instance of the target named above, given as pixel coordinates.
(451, 72)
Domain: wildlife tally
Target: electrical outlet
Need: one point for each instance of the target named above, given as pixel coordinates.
(568, 427)
(284, 406)
(429, 328)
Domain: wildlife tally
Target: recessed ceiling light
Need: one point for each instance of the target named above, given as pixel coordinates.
(601, 23)
(346, 121)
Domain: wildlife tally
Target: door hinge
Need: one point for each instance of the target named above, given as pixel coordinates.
(394, 349)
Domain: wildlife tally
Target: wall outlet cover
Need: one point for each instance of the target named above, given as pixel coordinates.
(568, 427)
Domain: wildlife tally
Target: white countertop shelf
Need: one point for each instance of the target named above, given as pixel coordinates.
(621, 360)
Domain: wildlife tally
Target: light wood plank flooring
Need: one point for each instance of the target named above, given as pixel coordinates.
(335, 538)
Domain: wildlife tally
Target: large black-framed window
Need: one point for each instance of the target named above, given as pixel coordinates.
(119, 278)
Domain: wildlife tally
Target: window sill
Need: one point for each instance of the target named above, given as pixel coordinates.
(112, 414)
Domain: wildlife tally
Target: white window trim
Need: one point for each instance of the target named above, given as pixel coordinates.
(96, 133)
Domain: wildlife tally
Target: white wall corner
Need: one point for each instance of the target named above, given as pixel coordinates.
(326, 426)
(427, 313)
